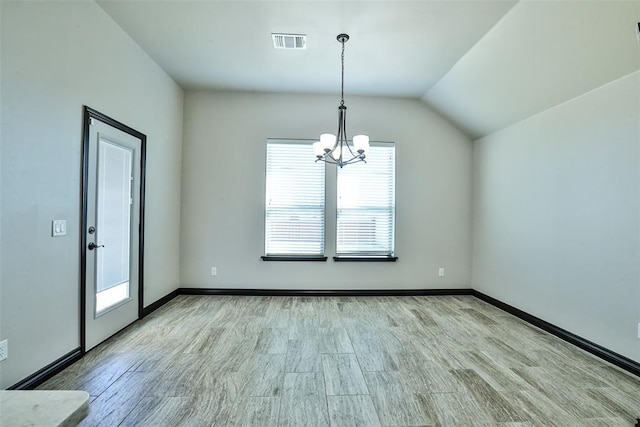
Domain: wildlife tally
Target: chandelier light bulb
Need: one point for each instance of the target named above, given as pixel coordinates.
(318, 150)
(327, 141)
(361, 143)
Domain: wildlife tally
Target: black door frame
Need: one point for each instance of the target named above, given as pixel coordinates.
(88, 114)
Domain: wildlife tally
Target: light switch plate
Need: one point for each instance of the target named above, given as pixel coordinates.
(58, 227)
(4, 350)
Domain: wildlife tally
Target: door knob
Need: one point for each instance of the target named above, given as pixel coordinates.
(93, 246)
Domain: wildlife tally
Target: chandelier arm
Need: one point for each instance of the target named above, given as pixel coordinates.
(328, 158)
(346, 140)
(350, 161)
(331, 160)
(340, 135)
(341, 111)
(351, 151)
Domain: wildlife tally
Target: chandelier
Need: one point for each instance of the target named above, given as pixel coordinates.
(335, 149)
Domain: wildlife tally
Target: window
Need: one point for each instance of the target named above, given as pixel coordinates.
(367, 206)
(295, 200)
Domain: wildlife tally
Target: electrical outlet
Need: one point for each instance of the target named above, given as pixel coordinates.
(441, 272)
(4, 350)
(214, 271)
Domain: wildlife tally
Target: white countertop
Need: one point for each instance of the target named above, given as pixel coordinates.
(42, 408)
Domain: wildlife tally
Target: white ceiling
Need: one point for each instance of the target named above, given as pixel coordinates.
(484, 64)
(542, 53)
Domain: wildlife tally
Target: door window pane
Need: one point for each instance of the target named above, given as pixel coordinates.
(113, 227)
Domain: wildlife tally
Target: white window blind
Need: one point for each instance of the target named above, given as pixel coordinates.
(295, 201)
(367, 205)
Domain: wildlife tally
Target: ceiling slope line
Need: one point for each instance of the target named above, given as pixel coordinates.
(559, 105)
(489, 31)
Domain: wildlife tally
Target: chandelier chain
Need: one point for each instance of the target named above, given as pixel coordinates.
(342, 87)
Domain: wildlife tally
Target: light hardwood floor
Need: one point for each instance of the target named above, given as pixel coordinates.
(345, 361)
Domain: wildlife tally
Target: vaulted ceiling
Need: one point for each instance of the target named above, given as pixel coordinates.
(482, 64)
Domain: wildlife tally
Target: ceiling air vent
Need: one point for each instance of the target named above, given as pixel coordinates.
(289, 41)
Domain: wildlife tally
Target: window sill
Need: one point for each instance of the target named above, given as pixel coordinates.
(365, 258)
(293, 258)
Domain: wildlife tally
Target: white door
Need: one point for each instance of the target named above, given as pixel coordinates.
(112, 227)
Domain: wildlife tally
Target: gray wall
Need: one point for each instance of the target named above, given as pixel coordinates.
(557, 215)
(57, 56)
(224, 179)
